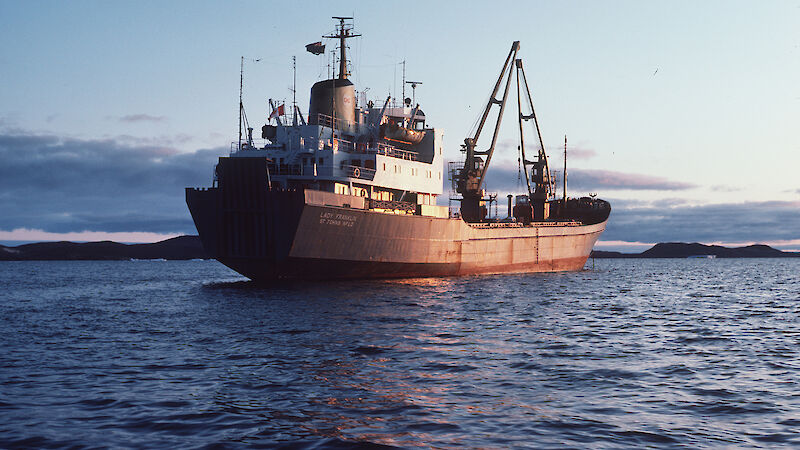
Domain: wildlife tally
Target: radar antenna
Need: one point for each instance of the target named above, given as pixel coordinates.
(414, 85)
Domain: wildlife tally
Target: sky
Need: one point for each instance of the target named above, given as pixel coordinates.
(683, 114)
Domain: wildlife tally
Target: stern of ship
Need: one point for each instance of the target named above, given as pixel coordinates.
(243, 223)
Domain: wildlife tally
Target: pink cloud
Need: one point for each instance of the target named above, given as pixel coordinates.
(608, 179)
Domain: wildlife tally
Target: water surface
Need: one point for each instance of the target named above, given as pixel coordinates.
(664, 353)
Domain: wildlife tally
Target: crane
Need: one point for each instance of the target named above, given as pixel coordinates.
(470, 178)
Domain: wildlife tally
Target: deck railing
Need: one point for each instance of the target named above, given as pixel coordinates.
(520, 224)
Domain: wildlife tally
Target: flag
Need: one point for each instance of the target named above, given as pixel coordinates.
(277, 112)
(316, 48)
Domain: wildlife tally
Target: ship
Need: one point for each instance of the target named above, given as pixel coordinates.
(352, 190)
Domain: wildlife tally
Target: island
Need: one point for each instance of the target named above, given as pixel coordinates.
(177, 248)
(693, 250)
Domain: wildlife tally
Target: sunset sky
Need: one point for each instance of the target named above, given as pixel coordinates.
(685, 115)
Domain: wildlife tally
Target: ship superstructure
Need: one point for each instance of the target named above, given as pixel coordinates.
(350, 191)
(385, 153)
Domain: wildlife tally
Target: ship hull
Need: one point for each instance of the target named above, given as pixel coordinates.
(284, 235)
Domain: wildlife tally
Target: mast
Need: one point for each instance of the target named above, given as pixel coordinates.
(241, 105)
(403, 86)
(344, 32)
(565, 170)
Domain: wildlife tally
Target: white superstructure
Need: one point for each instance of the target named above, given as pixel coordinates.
(355, 158)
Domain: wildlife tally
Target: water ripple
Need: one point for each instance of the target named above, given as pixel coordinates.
(644, 353)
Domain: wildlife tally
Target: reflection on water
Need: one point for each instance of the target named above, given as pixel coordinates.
(183, 354)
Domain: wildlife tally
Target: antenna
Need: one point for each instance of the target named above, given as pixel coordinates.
(294, 91)
(331, 61)
(241, 105)
(403, 100)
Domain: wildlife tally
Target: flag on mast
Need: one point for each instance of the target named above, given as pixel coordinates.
(316, 48)
(277, 112)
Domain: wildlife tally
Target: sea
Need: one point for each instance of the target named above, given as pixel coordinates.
(627, 353)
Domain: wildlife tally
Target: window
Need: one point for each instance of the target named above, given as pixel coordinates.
(341, 189)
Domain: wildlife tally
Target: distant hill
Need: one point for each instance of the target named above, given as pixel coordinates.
(607, 254)
(684, 250)
(181, 247)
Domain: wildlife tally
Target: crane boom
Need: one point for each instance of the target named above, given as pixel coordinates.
(469, 179)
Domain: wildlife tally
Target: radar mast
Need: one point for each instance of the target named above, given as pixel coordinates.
(344, 32)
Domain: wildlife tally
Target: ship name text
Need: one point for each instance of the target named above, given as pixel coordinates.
(337, 219)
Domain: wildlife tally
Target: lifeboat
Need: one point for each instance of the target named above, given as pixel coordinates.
(395, 132)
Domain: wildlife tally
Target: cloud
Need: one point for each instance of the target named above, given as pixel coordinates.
(505, 178)
(62, 185)
(725, 188)
(733, 222)
(134, 118)
(611, 180)
(580, 153)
